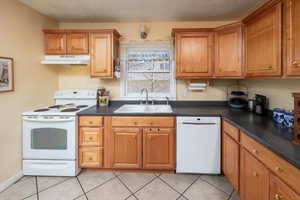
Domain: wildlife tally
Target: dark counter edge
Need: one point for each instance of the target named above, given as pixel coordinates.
(187, 104)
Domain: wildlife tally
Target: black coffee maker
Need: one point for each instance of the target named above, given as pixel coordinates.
(261, 107)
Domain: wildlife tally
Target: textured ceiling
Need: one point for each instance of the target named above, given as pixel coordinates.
(144, 10)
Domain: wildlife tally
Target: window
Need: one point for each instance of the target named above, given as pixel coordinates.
(150, 67)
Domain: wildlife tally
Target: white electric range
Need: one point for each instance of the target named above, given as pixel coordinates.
(50, 134)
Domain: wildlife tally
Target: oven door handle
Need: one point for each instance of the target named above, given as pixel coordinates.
(49, 120)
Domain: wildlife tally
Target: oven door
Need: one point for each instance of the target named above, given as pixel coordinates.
(51, 137)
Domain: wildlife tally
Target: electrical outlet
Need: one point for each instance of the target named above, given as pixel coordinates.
(184, 94)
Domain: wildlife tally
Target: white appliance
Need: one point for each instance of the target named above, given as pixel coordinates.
(50, 135)
(66, 60)
(198, 145)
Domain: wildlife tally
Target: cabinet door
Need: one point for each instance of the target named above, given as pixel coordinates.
(77, 43)
(293, 42)
(127, 148)
(254, 178)
(280, 191)
(90, 157)
(228, 51)
(263, 44)
(231, 153)
(55, 43)
(194, 55)
(159, 148)
(101, 55)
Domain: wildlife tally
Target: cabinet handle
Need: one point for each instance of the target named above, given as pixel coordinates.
(278, 197)
(90, 122)
(270, 66)
(296, 63)
(254, 151)
(278, 169)
(90, 158)
(254, 174)
(90, 138)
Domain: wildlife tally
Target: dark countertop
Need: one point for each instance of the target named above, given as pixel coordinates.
(261, 128)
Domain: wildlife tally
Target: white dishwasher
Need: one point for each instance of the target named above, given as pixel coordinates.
(198, 145)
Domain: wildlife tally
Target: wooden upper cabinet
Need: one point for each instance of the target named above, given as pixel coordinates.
(103, 54)
(263, 41)
(126, 149)
(228, 51)
(254, 178)
(230, 160)
(159, 148)
(293, 42)
(55, 43)
(77, 43)
(194, 53)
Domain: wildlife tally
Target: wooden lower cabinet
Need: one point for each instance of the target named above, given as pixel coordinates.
(90, 157)
(91, 136)
(280, 191)
(126, 148)
(158, 148)
(230, 159)
(254, 178)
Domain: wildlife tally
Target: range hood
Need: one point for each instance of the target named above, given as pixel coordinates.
(66, 60)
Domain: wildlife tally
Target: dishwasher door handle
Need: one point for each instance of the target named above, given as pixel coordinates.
(195, 123)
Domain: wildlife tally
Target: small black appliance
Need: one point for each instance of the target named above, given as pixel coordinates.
(261, 107)
(237, 96)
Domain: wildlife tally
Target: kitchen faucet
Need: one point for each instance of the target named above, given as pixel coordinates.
(147, 97)
(168, 100)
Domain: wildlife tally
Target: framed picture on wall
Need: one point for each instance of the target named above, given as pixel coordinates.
(6, 74)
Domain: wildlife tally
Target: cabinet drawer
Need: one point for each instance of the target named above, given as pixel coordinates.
(90, 157)
(90, 136)
(91, 121)
(280, 167)
(144, 121)
(280, 191)
(158, 130)
(230, 130)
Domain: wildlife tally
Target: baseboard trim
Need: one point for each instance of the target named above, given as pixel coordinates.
(10, 181)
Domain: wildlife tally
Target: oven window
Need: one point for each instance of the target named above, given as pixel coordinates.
(49, 138)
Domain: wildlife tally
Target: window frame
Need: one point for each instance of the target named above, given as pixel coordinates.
(164, 46)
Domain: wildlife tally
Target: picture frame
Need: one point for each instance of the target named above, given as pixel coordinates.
(6, 74)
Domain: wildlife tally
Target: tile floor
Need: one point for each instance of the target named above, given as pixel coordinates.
(123, 186)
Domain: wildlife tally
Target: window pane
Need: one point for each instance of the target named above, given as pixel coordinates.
(149, 69)
(49, 138)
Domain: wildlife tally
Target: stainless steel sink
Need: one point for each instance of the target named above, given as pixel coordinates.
(137, 108)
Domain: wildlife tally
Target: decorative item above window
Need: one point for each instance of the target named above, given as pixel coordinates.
(146, 66)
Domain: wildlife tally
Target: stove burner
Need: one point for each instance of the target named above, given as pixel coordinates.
(70, 110)
(56, 106)
(41, 110)
(70, 104)
(82, 106)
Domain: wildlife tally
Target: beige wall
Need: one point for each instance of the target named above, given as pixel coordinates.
(21, 38)
(278, 91)
(78, 77)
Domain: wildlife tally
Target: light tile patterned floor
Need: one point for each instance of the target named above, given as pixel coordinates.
(121, 186)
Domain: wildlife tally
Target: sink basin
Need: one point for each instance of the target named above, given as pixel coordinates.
(130, 108)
